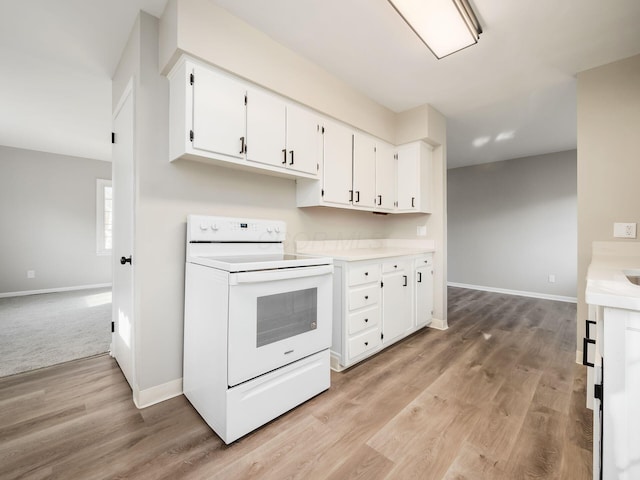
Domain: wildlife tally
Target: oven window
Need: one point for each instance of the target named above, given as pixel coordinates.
(285, 315)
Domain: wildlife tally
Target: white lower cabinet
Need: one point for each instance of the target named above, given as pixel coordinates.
(378, 302)
(424, 291)
(613, 351)
(396, 300)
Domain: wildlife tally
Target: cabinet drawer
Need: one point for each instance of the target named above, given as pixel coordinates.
(396, 266)
(426, 260)
(363, 297)
(364, 274)
(362, 320)
(363, 343)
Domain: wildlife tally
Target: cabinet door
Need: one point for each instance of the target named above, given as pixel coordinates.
(408, 177)
(265, 128)
(385, 177)
(218, 113)
(303, 140)
(337, 158)
(396, 305)
(364, 170)
(424, 295)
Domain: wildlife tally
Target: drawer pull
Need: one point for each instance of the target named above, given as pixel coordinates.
(585, 345)
(366, 297)
(405, 281)
(366, 320)
(587, 324)
(366, 274)
(366, 344)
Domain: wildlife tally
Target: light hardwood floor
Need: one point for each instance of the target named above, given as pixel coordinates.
(497, 396)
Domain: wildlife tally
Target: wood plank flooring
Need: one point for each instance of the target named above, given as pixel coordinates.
(497, 396)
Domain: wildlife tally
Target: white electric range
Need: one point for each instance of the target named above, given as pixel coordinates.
(257, 325)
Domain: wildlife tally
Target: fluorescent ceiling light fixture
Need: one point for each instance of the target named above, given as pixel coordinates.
(445, 26)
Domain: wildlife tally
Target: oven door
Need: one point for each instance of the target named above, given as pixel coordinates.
(277, 317)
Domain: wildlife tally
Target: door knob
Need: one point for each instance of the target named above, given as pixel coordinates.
(124, 260)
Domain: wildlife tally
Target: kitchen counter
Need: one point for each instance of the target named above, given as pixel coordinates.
(365, 249)
(607, 284)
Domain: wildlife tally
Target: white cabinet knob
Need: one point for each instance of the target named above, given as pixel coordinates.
(269, 229)
(214, 227)
(203, 226)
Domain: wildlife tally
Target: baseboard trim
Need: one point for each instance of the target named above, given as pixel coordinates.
(159, 393)
(544, 296)
(438, 324)
(53, 290)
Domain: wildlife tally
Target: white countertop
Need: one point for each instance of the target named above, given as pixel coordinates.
(607, 284)
(365, 249)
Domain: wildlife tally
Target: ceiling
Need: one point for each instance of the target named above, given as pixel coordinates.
(56, 63)
(511, 95)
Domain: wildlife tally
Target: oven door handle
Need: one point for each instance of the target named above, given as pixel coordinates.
(279, 274)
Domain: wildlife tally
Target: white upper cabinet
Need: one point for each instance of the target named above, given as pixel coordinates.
(266, 117)
(217, 118)
(218, 113)
(413, 178)
(303, 140)
(280, 134)
(385, 193)
(364, 171)
(337, 156)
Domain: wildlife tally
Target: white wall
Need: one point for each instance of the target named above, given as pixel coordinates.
(167, 192)
(48, 212)
(513, 223)
(608, 160)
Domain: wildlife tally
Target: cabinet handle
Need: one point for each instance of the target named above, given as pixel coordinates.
(366, 297)
(405, 281)
(419, 277)
(366, 344)
(284, 156)
(395, 266)
(357, 196)
(379, 200)
(587, 324)
(585, 345)
(366, 320)
(413, 202)
(291, 153)
(351, 195)
(366, 274)
(242, 145)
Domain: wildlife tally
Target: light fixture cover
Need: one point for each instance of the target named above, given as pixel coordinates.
(445, 26)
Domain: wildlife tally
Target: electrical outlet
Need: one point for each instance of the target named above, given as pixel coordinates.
(552, 278)
(31, 274)
(624, 230)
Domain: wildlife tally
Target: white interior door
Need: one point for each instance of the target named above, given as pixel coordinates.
(123, 216)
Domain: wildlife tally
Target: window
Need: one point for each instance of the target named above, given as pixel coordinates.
(104, 216)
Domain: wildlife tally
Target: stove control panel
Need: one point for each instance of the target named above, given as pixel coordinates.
(203, 228)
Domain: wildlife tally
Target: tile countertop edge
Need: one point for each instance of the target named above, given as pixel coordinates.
(607, 284)
(365, 249)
